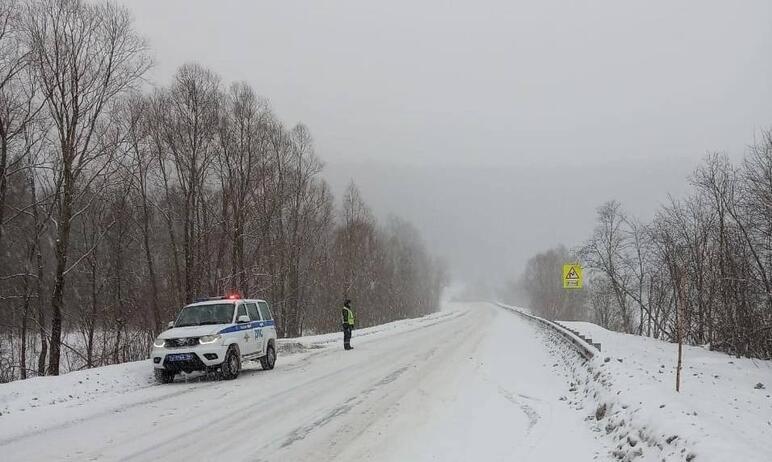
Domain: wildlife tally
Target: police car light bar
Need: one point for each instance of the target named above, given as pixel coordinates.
(204, 299)
(220, 297)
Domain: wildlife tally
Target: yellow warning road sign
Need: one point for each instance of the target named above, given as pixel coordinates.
(572, 276)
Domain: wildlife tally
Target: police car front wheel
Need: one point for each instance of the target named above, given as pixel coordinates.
(164, 376)
(232, 365)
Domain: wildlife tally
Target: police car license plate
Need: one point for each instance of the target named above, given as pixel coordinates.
(180, 357)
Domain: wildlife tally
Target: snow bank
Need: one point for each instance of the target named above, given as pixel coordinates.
(627, 390)
(723, 412)
(620, 417)
(24, 395)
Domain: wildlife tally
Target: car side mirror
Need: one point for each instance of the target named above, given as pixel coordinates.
(242, 319)
(170, 325)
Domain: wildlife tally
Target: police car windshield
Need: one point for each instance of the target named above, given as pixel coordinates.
(201, 315)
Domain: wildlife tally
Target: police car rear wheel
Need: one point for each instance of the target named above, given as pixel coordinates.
(231, 366)
(269, 360)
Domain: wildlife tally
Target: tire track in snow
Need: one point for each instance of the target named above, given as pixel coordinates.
(533, 416)
(300, 433)
(103, 413)
(382, 398)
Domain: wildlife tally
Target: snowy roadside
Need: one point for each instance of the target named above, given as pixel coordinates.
(44, 402)
(621, 418)
(723, 412)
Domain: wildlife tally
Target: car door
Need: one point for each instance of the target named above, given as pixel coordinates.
(257, 328)
(245, 337)
(269, 331)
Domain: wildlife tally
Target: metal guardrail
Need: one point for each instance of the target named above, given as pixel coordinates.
(584, 346)
(587, 340)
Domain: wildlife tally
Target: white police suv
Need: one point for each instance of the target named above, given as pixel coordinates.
(216, 335)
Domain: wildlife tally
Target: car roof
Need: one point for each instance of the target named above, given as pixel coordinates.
(225, 300)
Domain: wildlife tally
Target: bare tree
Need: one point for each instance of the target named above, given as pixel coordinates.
(188, 125)
(245, 119)
(135, 117)
(83, 56)
(605, 252)
(18, 105)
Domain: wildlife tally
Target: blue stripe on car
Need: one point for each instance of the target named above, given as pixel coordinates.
(247, 326)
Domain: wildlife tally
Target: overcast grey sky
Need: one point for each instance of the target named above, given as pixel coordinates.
(496, 127)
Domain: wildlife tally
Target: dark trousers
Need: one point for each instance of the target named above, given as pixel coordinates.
(346, 336)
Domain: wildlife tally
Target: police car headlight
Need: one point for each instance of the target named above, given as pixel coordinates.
(159, 343)
(209, 339)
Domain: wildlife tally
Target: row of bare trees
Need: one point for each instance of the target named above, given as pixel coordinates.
(701, 270)
(120, 204)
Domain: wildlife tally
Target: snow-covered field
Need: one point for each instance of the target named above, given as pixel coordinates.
(473, 382)
(723, 412)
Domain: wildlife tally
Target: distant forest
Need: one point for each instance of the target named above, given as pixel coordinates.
(700, 271)
(119, 203)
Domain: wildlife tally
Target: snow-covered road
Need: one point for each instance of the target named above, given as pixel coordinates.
(472, 383)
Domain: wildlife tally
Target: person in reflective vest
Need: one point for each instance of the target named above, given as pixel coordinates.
(348, 324)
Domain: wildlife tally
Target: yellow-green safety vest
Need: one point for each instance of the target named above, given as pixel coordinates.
(348, 316)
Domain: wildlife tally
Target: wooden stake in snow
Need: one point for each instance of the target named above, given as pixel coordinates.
(680, 300)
